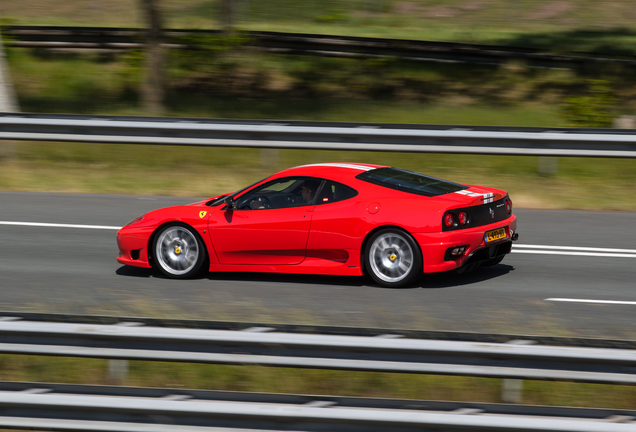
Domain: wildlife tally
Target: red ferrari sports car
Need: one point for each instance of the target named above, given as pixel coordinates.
(329, 218)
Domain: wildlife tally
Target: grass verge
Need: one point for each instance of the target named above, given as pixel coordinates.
(309, 381)
(578, 183)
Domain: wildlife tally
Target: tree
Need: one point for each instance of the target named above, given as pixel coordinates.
(227, 15)
(152, 88)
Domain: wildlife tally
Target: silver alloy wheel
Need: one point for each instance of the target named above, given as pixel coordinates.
(177, 250)
(391, 257)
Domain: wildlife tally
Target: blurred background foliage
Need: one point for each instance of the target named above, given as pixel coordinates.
(566, 23)
(322, 88)
(592, 109)
(229, 80)
(227, 70)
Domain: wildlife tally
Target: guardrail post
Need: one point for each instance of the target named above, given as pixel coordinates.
(117, 371)
(8, 100)
(512, 389)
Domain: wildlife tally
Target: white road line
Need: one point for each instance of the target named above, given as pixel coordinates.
(574, 251)
(591, 301)
(517, 248)
(573, 248)
(42, 224)
(547, 252)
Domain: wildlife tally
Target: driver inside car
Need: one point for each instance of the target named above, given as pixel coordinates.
(257, 203)
(308, 190)
(282, 194)
(306, 193)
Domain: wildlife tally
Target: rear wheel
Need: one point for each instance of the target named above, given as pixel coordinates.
(178, 251)
(392, 258)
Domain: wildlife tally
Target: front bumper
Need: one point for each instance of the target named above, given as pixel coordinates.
(435, 246)
(133, 246)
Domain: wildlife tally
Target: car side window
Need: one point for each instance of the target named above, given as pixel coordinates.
(281, 193)
(334, 192)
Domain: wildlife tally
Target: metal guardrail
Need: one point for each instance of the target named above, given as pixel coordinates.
(319, 330)
(300, 43)
(321, 135)
(105, 408)
(81, 407)
(258, 345)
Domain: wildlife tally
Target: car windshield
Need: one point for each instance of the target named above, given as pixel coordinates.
(217, 202)
(408, 181)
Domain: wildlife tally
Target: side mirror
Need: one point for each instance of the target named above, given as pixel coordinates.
(229, 201)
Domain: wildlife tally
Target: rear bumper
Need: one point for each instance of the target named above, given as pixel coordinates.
(485, 254)
(435, 246)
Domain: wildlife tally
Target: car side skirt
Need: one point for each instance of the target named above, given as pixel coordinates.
(320, 262)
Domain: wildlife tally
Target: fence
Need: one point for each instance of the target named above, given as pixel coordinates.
(321, 135)
(111, 38)
(103, 408)
(69, 407)
(521, 357)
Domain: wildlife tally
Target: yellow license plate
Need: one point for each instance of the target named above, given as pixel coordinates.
(493, 235)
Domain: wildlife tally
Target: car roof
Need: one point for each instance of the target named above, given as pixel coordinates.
(335, 171)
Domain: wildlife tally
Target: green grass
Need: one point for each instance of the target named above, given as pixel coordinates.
(308, 381)
(593, 184)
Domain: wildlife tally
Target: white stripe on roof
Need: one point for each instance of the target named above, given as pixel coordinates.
(468, 193)
(339, 165)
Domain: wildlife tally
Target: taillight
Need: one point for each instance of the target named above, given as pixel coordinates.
(463, 218)
(449, 219)
(509, 205)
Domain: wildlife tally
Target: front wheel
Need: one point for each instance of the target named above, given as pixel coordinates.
(178, 251)
(392, 258)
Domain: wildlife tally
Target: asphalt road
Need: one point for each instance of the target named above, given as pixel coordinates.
(72, 269)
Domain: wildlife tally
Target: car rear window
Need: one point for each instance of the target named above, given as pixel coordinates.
(407, 181)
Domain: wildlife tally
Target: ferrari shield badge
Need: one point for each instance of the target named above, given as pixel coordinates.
(202, 214)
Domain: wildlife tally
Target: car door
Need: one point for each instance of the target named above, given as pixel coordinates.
(268, 225)
(336, 224)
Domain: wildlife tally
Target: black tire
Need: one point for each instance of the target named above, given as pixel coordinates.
(178, 251)
(392, 258)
